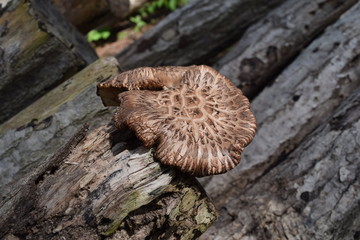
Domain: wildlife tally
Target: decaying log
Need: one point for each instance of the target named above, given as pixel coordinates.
(105, 186)
(268, 46)
(194, 33)
(301, 97)
(313, 194)
(39, 130)
(91, 14)
(38, 50)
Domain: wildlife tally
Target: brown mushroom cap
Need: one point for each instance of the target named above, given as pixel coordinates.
(197, 119)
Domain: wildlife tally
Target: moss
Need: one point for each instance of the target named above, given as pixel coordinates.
(188, 201)
(204, 215)
(129, 205)
(22, 27)
(65, 92)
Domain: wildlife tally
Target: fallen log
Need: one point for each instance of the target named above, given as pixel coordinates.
(268, 46)
(39, 130)
(104, 185)
(38, 50)
(302, 96)
(194, 33)
(314, 193)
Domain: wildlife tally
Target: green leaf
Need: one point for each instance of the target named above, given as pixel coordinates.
(152, 7)
(105, 34)
(96, 35)
(93, 35)
(172, 5)
(136, 19)
(139, 22)
(160, 3)
(122, 35)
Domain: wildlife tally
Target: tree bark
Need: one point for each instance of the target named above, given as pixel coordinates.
(301, 97)
(298, 101)
(298, 179)
(38, 50)
(39, 130)
(104, 185)
(314, 193)
(82, 12)
(194, 33)
(266, 47)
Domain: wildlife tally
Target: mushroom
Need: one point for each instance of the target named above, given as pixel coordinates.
(196, 118)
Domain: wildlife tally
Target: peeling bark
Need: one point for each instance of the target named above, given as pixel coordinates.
(105, 186)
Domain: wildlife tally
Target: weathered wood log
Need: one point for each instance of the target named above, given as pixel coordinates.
(39, 130)
(314, 193)
(194, 33)
(266, 47)
(305, 94)
(38, 50)
(105, 185)
(87, 15)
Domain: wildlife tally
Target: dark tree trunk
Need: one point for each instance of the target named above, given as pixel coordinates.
(194, 33)
(82, 12)
(91, 14)
(38, 50)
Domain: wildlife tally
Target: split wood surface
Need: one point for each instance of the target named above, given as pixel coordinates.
(104, 184)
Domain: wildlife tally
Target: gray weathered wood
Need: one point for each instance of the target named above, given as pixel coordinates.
(194, 33)
(301, 98)
(313, 194)
(266, 47)
(39, 130)
(104, 185)
(38, 50)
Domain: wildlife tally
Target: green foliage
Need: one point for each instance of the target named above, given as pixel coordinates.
(151, 7)
(122, 35)
(139, 22)
(96, 35)
(147, 10)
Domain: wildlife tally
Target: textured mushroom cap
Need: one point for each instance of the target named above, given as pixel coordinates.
(197, 119)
